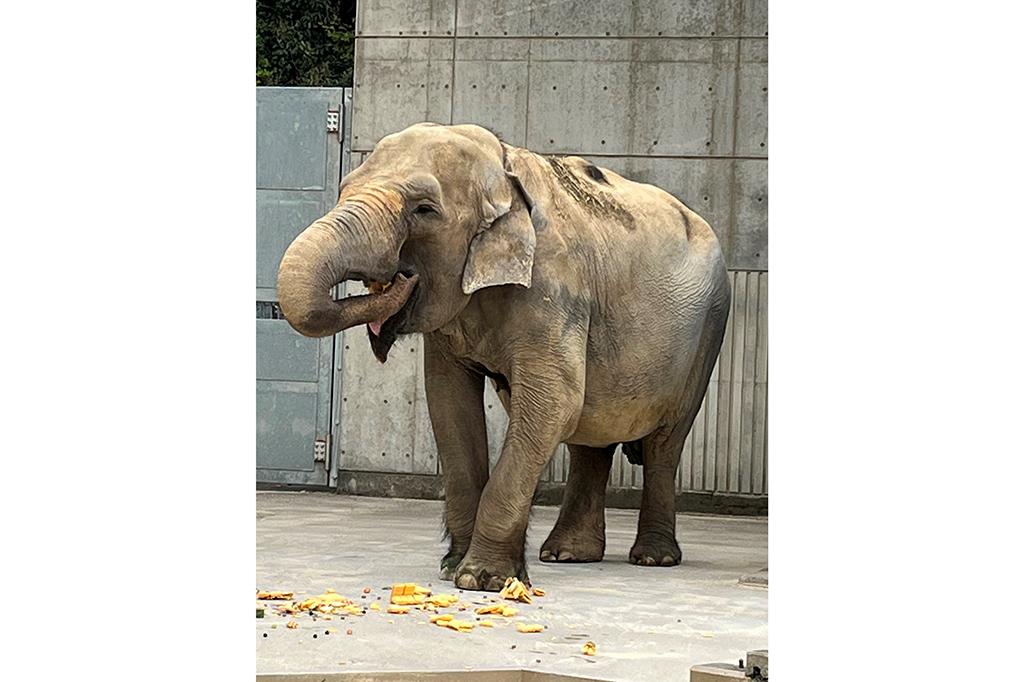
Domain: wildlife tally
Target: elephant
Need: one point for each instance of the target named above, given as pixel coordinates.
(595, 304)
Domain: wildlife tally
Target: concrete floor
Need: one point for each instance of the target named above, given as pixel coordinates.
(647, 622)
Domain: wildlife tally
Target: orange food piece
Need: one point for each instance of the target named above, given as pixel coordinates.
(407, 594)
(398, 609)
(497, 609)
(532, 627)
(589, 649)
(442, 600)
(538, 592)
(460, 625)
(260, 594)
(292, 624)
(516, 590)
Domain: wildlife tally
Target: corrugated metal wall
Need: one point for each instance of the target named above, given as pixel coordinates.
(670, 93)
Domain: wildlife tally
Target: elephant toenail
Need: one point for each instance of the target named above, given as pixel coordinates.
(566, 555)
(667, 561)
(467, 582)
(545, 555)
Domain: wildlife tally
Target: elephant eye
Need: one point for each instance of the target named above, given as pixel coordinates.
(425, 209)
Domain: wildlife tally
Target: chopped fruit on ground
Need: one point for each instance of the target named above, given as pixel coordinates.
(532, 627)
(398, 609)
(442, 600)
(375, 606)
(260, 594)
(348, 632)
(589, 649)
(497, 609)
(326, 603)
(441, 618)
(407, 594)
(514, 589)
(366, 590)
(460, 625)
(486, 624)
(537, 592)
(292, 624)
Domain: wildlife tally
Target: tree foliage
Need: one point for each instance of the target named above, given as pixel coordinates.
(304, 42)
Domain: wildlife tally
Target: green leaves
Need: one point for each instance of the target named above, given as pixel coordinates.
(304, 42)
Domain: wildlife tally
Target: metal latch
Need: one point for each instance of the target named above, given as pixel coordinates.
(320, 451)
(333, 118)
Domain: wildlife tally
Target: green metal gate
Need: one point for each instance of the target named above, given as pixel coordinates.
(299, 150)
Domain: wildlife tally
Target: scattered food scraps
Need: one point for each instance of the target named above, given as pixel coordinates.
(486, 624)
(537, 592)
(292, 624)
(260, 594)
(441, 618)
(589, 649)
(407, 594)
(398, 609)
(460, 625)
(514, 589)
(442, 600)
(531, 627)
(498, 609)
(375, 606)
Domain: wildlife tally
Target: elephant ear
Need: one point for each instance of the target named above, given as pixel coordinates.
(502, 250)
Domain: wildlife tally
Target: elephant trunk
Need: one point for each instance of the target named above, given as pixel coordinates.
(349, 242)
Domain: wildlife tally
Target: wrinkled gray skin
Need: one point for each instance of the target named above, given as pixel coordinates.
(597, 305)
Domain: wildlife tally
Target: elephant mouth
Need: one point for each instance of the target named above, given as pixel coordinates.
(393, 303)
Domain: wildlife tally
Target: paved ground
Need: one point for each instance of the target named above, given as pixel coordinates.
(647, 622)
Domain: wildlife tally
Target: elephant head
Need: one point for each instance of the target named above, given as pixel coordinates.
(432, 215)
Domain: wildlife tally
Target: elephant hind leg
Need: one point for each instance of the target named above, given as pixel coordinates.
(656, 543)
(578, 535)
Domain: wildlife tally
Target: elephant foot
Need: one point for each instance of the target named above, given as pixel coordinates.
(573, 546)
(655, 550)
(488, 573)
(450, 562)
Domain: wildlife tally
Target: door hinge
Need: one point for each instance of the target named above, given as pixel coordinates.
(320, 451)
(333, 119)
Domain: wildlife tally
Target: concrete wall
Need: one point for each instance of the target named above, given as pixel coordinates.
(663, 91)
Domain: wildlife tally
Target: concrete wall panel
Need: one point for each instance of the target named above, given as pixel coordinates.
(589, 98)
(683, 103)
(755, 18)
(752, 113)
(403, 18)
(494, 18)
(492, 94)
(399, 82)
(749, 237)
(693, 18)
(378, 412)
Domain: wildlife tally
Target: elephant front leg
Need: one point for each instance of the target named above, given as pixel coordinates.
(455, 402)
(578, 534)
(538, 421)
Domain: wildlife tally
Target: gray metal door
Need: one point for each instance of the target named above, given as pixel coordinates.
(298, 166)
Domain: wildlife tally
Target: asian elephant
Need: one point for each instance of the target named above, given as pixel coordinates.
(596, 305)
